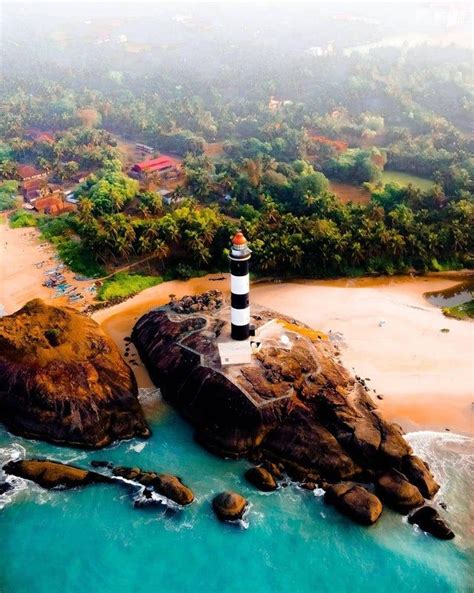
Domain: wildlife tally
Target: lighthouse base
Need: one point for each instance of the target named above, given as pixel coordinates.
(240, 332)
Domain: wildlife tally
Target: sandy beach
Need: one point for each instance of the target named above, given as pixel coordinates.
(425, 376)
(20, 279)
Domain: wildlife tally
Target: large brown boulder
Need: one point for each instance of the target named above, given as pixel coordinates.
(261, 478)
(53, 474)
(165, 484)
(398, 493)
(428, 519)
(173, 488)
(355, 502)
(418, 473)
(63, 380)
(229, 506)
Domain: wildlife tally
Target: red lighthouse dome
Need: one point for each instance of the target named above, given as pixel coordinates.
(239, 239)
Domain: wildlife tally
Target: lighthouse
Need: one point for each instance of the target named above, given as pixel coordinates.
(239, 287)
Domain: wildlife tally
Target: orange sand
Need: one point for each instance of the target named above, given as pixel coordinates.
(20, 279)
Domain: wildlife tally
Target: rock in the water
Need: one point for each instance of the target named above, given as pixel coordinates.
(229, 506)
(63, 380)
(53, 474)
(428, 519)
(355, 502)
(5, 487)
(398, 493)
(418, 473)
(261, 479)
(165, 484)
(99, 463)
(274, 468)
(173, 488)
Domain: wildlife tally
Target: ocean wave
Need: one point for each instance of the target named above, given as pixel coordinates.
(137, 447)
(11, 453)
(444, 452)
(148, 394)
(450, 457)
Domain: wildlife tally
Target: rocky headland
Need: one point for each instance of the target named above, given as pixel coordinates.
(294, 406)
(63, 380)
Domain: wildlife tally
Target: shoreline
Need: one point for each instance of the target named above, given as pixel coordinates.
(21, 250)
(425, 376)
(409, 361)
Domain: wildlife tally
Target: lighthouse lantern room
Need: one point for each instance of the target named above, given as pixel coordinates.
(239, 257)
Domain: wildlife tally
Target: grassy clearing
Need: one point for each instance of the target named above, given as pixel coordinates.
(123, 285)
(22, 219)
(346, 193)
(464, 311)
(406, 178)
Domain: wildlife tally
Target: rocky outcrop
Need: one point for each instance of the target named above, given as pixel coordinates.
(294, 404)
(418, 473)
(229, 506)
(261, 478)
(211, 300)
(428, 519)
(167, 485)
(398, 493)
(53, 474)
(63, 380)
(355, 502)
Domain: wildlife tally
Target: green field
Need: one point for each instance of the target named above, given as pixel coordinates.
(124, 285)
(21, 219)
(463, 311)
(406, 178)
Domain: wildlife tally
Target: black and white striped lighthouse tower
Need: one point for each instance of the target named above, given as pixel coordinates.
(239, 287)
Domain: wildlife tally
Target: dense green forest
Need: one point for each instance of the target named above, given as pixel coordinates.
(286, 123)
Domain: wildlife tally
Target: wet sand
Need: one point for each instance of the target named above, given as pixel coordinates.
(424, 375)
(20, 279)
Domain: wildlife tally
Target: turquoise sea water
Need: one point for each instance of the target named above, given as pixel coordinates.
(93, 540)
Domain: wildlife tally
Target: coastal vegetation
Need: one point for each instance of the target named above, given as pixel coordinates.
(8, 191)
(21, 219)
(123, 285)
(462, 311)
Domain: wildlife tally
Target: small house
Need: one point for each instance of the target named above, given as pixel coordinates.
(33, 189)
(80, 176)
(29, 173)
(161, 166)
(52, 204)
